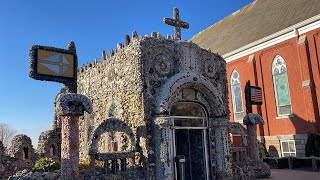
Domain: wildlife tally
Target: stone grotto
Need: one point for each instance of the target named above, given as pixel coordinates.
(159, 105)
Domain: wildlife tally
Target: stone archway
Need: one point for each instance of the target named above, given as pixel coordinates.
(214, 101)
(217, 106)
(110, 125)
(120, 162)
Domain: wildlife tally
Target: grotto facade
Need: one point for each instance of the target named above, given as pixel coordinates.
(153, 100)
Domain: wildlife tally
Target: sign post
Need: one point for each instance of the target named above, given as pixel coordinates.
(60, 65)
(253, 96)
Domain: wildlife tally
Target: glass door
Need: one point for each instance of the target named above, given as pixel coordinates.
(190, 139)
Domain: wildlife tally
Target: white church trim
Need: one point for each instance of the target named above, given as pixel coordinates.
(280, 36)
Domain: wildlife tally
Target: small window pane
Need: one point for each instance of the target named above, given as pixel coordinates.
(189, 122)
(286, 154)
(285, 147)
(291, 147)
(288, 148)
(238, 116)
(187, 109)
(285, 110)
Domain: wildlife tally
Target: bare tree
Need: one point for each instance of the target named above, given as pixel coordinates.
(6, 133)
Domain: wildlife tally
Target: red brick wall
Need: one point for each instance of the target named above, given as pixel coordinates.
(302, 61)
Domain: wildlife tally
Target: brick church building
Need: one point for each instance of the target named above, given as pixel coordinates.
(276, 45)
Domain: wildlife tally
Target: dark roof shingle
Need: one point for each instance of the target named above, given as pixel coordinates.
(255, 21)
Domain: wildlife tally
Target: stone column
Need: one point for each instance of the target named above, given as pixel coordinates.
(70, 146)
(220, 127)
(70, 107)
(165, 148)
(251, 121)
(261, 169)
(252, 141)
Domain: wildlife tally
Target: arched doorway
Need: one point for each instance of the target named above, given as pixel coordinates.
(190, 139)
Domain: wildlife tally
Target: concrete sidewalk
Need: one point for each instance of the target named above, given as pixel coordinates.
(283, 174)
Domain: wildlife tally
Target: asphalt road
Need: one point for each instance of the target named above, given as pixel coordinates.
(283, 174)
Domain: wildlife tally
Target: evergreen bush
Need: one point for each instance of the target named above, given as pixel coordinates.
(46, 165)
(313, 145)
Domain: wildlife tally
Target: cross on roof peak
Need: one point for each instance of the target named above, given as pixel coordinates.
(177, 23)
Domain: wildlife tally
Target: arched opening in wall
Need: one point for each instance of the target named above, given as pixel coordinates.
(115, 146)
(52, 150)
(25, 153)
(190, 139)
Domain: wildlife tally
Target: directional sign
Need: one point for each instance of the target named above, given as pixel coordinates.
(53, 64)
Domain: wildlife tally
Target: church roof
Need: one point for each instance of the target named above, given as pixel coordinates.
(255, 21)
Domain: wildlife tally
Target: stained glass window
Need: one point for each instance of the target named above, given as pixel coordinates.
(281, 86)
(236, 96)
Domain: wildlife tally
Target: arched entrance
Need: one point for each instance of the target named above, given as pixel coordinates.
(201, 127)
(190, 139)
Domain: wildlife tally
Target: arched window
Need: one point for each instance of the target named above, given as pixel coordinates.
(25, 153)
(236, 96)
(52, 150)
(281, 86)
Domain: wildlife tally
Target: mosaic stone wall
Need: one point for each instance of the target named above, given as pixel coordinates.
(114, 87)
(49, 144)
(22, 150)
(138, 83)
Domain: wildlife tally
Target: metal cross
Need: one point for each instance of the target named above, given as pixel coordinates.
(176, 23)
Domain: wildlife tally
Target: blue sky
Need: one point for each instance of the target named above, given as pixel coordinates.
(26, 104)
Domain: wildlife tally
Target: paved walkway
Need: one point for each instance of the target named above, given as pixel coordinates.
(283, 174)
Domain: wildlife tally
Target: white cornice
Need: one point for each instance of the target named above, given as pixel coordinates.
(280, 36)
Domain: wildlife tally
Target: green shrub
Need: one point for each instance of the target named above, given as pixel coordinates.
(313, 145)
(46, 165)
(84, 164)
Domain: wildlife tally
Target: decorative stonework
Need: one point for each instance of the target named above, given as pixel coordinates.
(73, 104)
(252, 119)
(49, 144)
(132, 92)
(70, 107)
(189, 79)
(70, 147)
(163, 64)
(21, 148)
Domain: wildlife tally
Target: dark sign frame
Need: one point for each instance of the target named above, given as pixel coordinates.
(249, 103)
(33, 71)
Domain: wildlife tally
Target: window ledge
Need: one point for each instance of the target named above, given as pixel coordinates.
(285, 116)
(241, 122)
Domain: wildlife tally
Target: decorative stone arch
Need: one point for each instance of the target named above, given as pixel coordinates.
(109, 125)
(180, 81)
(213, 100)
(115, 162)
